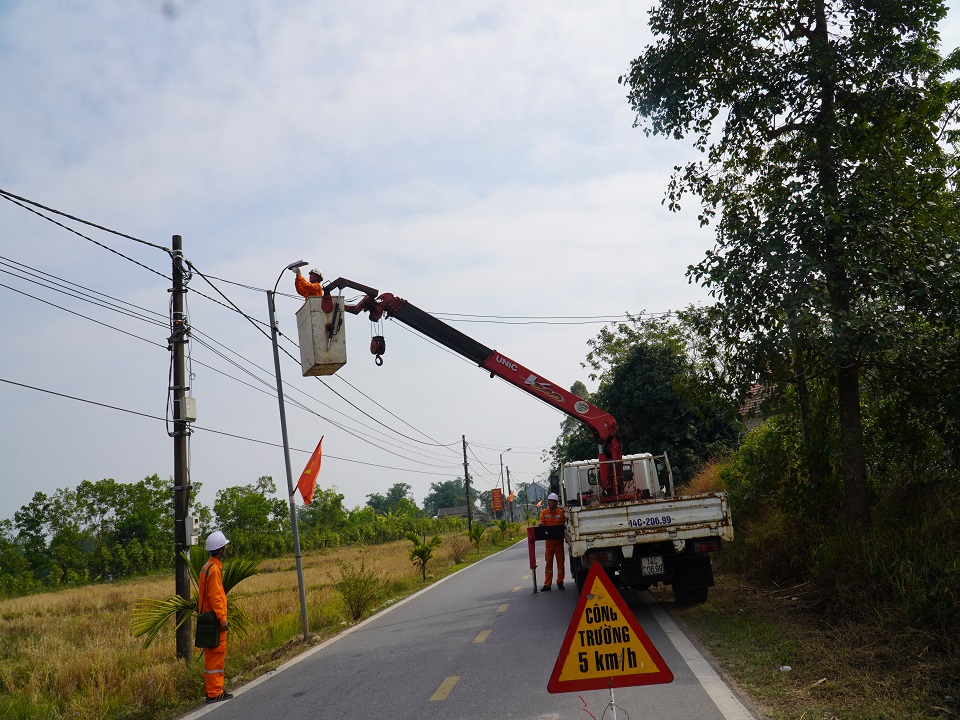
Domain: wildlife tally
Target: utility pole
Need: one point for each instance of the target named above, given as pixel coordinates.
(509, 493)
(466, 481)
(179, 335)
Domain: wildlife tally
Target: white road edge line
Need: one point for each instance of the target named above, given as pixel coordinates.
(727, 703)
(199, 712)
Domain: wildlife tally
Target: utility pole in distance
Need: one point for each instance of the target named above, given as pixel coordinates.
(179, 333)
(509, 493)
(466, 482)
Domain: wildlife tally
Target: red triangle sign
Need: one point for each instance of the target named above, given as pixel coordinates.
(605, 647)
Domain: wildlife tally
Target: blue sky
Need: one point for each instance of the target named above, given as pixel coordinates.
(472, 157)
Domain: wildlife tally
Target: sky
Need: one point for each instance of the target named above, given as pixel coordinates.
(476, 158)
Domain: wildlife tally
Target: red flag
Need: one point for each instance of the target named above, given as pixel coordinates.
(308, 478)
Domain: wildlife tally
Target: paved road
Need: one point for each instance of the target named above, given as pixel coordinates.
(477, 645)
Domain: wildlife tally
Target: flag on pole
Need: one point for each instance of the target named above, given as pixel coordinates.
(308, 478)
(511, 496)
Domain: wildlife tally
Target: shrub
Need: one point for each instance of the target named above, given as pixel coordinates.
(361, 588)
(459, 546)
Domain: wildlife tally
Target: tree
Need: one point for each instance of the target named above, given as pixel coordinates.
(451, 493)
(649, 382)
(397, 496)
(828, 135)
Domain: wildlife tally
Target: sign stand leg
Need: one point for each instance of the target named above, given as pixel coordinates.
(533, 572)
(612, 705)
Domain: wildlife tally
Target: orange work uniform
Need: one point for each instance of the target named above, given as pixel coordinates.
(213, 597)
(554, 549)
(307, 288)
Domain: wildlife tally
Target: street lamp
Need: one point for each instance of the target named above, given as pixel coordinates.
(504, 511)
(286, 447)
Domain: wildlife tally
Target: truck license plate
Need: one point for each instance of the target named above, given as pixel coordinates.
(651, 565)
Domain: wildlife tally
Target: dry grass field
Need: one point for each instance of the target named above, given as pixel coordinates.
(70, 654)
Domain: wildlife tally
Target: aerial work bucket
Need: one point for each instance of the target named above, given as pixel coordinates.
(323, 343)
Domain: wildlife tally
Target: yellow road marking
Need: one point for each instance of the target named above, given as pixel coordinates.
(445, 687)
(516, 589)
(525, 577)
(482, 637)
(503, 608)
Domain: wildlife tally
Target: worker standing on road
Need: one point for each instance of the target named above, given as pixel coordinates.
(311, 287)
(213, 597)
(552, 515)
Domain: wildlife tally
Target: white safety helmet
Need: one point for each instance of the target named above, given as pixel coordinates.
(316, 271)
(216, 540)
(553, 496)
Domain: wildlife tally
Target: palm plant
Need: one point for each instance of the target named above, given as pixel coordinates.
(476, 534)
(502, 526)
(150, 614)
(422, 550)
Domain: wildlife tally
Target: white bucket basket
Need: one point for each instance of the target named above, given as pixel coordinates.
(323, 342)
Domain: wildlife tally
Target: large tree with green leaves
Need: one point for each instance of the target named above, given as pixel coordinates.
(661, 393)
(828, 134)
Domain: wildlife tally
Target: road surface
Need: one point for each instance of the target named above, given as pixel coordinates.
(476, 645)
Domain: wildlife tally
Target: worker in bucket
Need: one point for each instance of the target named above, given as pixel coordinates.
(213, 597)
(310, 287)
(552, 515)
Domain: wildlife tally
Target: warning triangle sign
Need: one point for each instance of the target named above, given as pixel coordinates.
(605, 647)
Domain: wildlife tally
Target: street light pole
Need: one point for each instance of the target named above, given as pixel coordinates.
(286, 452)
(504, 511)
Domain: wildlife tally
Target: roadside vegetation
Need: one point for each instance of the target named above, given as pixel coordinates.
(72, 654)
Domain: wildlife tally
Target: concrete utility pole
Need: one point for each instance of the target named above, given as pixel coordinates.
(509, 493)
(466, 482)
(179, 335)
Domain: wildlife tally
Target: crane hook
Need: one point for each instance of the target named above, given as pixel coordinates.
(378, 346)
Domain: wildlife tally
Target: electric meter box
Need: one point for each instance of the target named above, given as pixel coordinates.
(192, 529)
(185, 409)
(323, 342)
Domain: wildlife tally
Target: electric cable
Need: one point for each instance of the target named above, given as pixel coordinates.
(77, 295)
(211, 430)
(44, 275)
(85, 317)
(9, 197)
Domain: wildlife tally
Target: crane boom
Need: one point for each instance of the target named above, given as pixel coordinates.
(601, 424)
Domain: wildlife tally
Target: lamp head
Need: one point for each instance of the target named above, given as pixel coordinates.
(298, 264)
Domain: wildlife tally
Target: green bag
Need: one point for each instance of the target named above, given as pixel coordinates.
(208, 630)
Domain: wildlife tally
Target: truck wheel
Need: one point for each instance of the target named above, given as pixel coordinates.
(579, 575)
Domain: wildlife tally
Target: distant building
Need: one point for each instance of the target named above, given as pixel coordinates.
(537, 492)
(460, 511)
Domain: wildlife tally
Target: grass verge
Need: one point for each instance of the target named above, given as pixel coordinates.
(70, 654)
(852, 669)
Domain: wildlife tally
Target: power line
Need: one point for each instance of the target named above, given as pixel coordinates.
(85, 317)
(7, 196)
(10, 196)
(206, 429)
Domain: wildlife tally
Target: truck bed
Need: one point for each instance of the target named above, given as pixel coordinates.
(646, 521)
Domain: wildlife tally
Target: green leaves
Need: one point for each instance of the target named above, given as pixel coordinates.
(422, 551)
(150, 615)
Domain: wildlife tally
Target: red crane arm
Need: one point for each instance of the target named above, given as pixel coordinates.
(601, 424)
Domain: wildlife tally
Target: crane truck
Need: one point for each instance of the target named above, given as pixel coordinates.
(621, 512)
